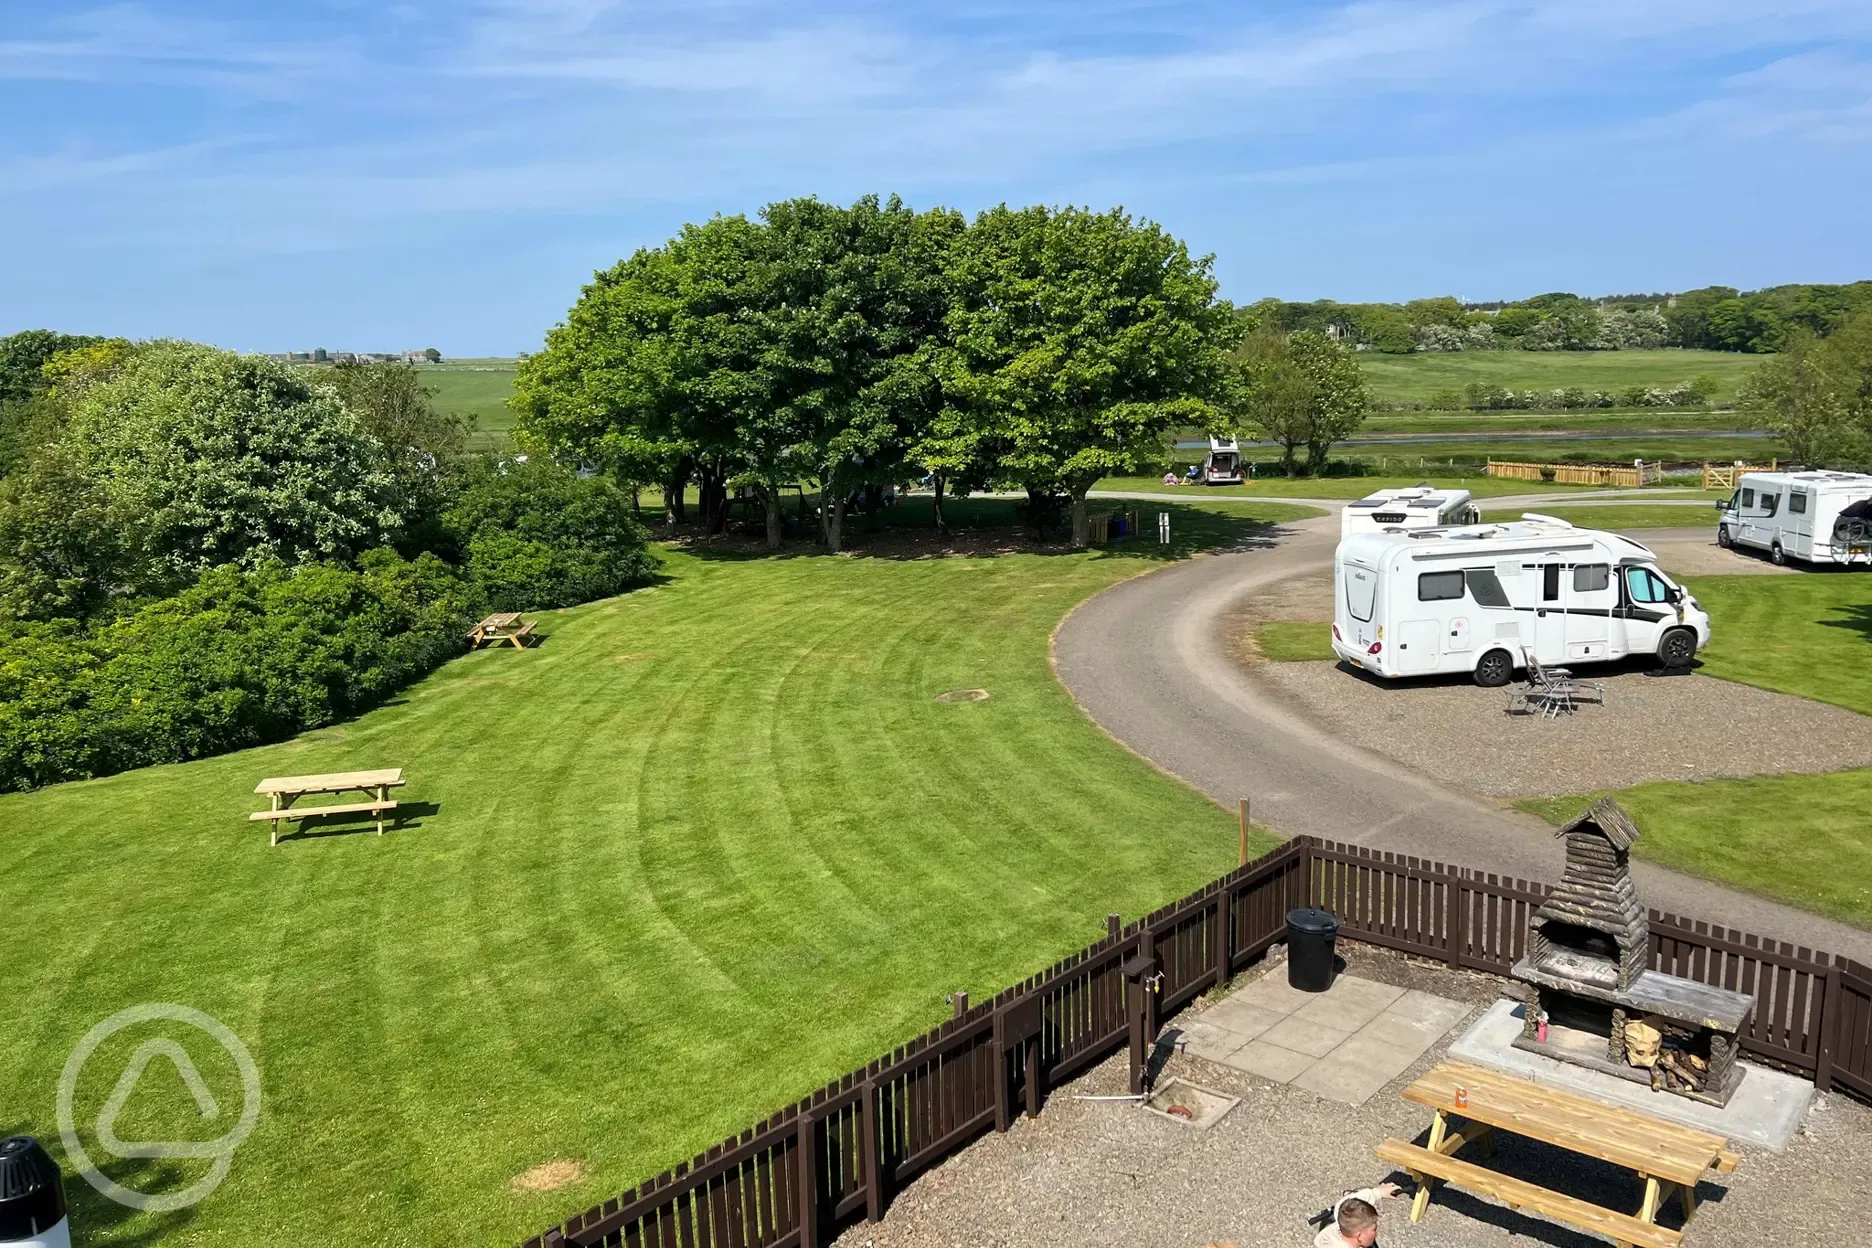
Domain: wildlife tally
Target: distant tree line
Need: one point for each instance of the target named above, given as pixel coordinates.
(201, 551)
(1715, 318)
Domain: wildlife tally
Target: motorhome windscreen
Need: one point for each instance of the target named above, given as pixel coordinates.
(1485, 587)
(1361, 590)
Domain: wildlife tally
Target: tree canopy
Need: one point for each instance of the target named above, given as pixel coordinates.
(857, 347)
(1817, 396)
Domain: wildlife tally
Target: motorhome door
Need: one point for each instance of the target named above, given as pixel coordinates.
(1591, 596)
(1550, 619)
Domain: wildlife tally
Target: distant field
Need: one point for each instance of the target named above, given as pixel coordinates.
(1665, 448)
(1618, 419)
(1273, 486)
(1620, 519)
(477, 388)
(1414, 378)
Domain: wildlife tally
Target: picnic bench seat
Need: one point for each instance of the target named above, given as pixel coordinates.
(1669, 1158)
(1622, 1228)
(502, 626)
(285, 791)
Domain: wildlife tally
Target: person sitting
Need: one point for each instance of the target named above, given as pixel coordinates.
(1170, 478)
(1195, 473)
(1353, 1222)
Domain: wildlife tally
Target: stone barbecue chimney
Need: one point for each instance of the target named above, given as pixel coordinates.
(1592, 927)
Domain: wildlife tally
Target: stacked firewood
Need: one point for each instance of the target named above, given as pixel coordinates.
(1679, 1070)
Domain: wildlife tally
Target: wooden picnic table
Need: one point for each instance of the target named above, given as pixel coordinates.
(1671, 1159)
(284, 791)
(499, 627)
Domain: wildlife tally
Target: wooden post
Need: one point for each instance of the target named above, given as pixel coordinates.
(959, 1003)
(1223, 936)
(1004, 1082)
(806, 1180)
(1829, 1024)
(1114, 926)
(1244, 833)
(1458, 926)
(1148, 948)
(869, 1141)
(1034, 1075)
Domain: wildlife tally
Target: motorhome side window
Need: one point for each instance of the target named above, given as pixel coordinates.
(1550, 582)
(1361, 590)
(1485, 587)
(1437, 586)
(1748, 498)
(1770, 503)
(1797, 502)
(1644, 587)
(1590, 576)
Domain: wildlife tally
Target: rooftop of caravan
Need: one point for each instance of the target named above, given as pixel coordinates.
(1532, 532)
(1415, 497)
(1848, 482)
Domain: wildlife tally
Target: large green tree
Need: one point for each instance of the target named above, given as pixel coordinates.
(1816, 395)
(1303, 389)
(1084, 339)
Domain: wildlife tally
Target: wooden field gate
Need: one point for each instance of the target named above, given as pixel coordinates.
(840, 1154)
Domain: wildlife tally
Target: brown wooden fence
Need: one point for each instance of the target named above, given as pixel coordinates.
(840, 1153)
(1626, 476)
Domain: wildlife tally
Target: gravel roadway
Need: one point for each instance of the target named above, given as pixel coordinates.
(1104, 1174)
(1148, 661)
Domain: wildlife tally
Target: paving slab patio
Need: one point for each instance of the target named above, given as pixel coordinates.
(1343, 1044)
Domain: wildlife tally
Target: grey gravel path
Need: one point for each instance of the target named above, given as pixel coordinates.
(1148, 661)
(1088, 1174)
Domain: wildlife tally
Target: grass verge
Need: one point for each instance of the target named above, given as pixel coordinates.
(1289, 641)
(1620, 518)
(706, 846)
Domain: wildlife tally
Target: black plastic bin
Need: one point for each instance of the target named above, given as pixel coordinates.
(1310, 937)
(32, 1194)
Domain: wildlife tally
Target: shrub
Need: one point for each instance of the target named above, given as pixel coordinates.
(532, 534)
(240, 658)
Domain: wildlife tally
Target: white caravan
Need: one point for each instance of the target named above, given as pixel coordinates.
(1223, 464)
(1474, 599)
(1411, 507)
(1819, 517)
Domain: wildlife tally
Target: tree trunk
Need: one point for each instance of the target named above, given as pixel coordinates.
(1316, 457)
(1079, 527)
(1288, 463)
(770, 495)
(637, 501)
(673, 497)
(835, 524)
(713, 499)
(942, 525)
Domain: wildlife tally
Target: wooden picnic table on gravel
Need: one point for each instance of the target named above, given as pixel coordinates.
(1669, 1158)
(499, 627)
(284, 791)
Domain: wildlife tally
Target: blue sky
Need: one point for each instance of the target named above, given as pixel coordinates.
(365, 175)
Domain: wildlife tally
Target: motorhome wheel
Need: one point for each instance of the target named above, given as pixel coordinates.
(1776, 556)
(1494, 669)
(1677, 648)
(1722, 537)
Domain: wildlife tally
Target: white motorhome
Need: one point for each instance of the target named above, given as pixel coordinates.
(1818, 517)
(1480, 598)
(1410, 507)
(1223, 464)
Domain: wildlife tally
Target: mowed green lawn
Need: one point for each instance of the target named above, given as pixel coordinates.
(479, 389)
(707, 846)
(1620, 518)
(1798, 838)
(1415, 378)
(1270, 485)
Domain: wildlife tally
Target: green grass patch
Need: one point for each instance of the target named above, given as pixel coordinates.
(1620, 519)
(479, 389)
(706, 846)
(1288, 641)
(1273, 486)
(1635, 420)
(1435, 456)
(1415, 378)
(1809, 635)
(1799, 839)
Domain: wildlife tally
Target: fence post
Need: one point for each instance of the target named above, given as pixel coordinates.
(1114, 927)
(1222, 936)
(869, 1140)
(1243, 861)
(1458, 926)
(806, 1178)
(960, 1004)
(1829, 1024)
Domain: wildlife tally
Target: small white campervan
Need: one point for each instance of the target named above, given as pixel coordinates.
(1410, 507)
(1819, 517)
(1223, 464)
(1481, 598)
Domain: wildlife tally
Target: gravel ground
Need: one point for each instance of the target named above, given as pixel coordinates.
(1088, 1174)
(1694, 552)
(1674, 728)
